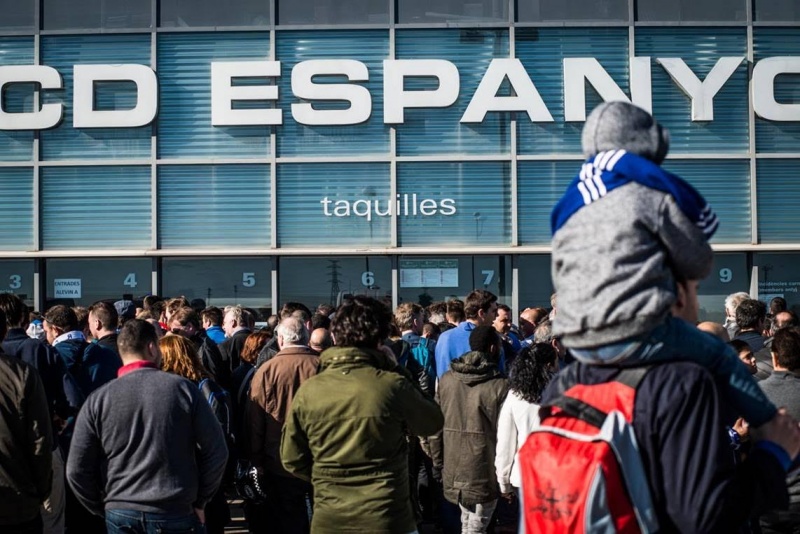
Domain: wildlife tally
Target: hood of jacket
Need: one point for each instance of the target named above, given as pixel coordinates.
(475, 368)
(336, 357)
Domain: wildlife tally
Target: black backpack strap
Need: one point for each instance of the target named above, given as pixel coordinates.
(632, 376)
(245, 386)
(580, 410)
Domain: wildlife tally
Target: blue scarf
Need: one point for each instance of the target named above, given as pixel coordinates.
(615, 168)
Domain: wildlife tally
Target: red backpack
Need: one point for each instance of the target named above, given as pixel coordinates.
(581, 468)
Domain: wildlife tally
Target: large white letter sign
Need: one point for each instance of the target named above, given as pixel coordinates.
(223, 93)
(396, 99)
(85, 116)
(763, 88)
(358, 96)
(48, 116)
(701, 93)
(527, 98)
(580, 69)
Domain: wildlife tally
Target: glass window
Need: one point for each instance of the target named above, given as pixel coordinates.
(66, 142)
(728, 132)
(778, 136)
(540, 185)
(333, 12)
(16, 208)
(778, 197)
(221, 282)
(777, 10)
(81, 282)
(535, 283)
(542, 51)
(17, 15)
(725, 184)
(208, 13)
(213, 206)
(370, 47)
(184, 117)
(328, 280)
(16, 98)
(779, 276)
(96, 207)
(93, 14)
(16, 277)
(438, 130)
(729, 274)
(571, 10)
(441, 11)
(433, 278)
(453, 204)
(334, 204)
(691, 10)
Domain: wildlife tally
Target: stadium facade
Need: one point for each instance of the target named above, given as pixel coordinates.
(256, 152)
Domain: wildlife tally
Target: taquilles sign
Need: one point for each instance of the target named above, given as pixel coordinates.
(225, 91)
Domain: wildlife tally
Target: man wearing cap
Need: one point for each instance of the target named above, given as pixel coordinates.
(126, 310)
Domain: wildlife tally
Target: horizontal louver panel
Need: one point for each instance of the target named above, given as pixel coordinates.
(17, 98)
(334, 204)
(773, 136)
(66, 142)
(213, 206)
(700, 48)
(540, 184)
(16, 208)
(96, 207)
(464, 204)
(778, 201)
(368, 47)
(542, 51)
(725, 185)
(184, 71)
(438, 130)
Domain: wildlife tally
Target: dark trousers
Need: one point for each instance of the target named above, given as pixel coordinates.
(218, 514)
(287, 509)
(34, 526)
(79, 520)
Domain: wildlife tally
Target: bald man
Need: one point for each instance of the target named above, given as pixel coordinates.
(320, 340)
(715, 329)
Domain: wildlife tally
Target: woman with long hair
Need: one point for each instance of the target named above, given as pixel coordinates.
(179, 356)
(530, 373)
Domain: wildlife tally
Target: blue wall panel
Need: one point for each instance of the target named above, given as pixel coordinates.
(18, 98)
(778, 201)
(16, 208)
(774, 136)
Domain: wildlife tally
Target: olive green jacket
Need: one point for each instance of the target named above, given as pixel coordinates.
(347, 432)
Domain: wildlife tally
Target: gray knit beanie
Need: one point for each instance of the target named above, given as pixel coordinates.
(620, 125)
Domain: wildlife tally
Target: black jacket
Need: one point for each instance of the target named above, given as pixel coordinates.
(62, 392)
(232, 347)
(26, 473)
(213, 360)
(109, 342)
(680, 424)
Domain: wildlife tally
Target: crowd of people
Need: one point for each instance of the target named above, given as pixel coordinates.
(152, 416)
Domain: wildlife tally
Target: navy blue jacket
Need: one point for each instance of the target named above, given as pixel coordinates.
(90, 364)
(63, 396)
(680, 424)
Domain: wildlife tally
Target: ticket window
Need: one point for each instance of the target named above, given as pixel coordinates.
(779, 276)
(81, 282)
(220, 282)
(330, 279)
(16, 277)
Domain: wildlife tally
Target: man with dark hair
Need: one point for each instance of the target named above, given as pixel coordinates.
(409, 318)
(289, 309)
(55, 379)
(212, 319)
(777, 305)
(454, 312)
(319, 320)
(529, 319)
(103, 322)
(503, 325)
(750, 317)
(186, 322)
(148, 452)
(781, 320)
(471, 395)
(783, 389)
(480, 309)
(347, 429)
(90, 366)
(26, 447)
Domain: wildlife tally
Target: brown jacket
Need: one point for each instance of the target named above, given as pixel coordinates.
(271, 392)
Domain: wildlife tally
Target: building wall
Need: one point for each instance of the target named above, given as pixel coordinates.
(255, 214)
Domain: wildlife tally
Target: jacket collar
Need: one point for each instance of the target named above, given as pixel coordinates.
(355, 357)
(475, 367)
